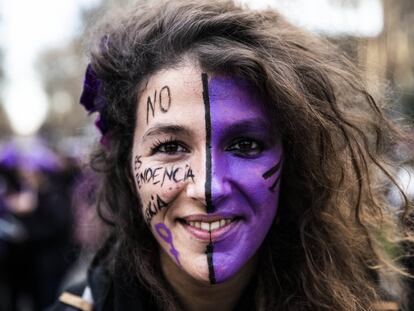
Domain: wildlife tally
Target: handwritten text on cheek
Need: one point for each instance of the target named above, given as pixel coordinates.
(161, 174)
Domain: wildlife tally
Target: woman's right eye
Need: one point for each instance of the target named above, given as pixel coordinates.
(171, 148)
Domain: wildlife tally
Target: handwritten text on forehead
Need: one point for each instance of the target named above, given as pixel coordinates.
(161, 103)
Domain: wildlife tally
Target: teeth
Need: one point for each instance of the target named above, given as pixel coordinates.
(214, 225)
(210, 226)
(205, 226)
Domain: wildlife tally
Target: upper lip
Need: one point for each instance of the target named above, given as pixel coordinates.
(208, 217)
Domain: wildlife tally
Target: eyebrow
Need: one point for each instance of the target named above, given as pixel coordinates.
(254, 124)
(162, 129)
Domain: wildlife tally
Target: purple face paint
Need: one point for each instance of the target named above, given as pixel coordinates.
(245, 171)
(166, 235)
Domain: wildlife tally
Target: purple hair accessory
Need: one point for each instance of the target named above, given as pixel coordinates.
(93, 100)
(101, 125)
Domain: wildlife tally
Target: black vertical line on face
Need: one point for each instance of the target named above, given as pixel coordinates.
(207, 186)
(209, 253)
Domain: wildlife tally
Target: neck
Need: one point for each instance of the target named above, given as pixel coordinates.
(202, 296)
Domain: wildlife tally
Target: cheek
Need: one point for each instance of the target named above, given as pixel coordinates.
(158, 186)
(258, 189)
(156, 200)
(164, 236)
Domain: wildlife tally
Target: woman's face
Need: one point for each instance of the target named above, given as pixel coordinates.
(207, 169)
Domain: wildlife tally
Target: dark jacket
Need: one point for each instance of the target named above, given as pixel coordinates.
(109, 294)
(119, 291)
(115, 294)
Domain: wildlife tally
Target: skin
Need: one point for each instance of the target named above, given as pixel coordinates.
(205, 158)
(201, 296)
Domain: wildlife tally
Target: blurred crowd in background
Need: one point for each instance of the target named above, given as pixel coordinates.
(48, 223)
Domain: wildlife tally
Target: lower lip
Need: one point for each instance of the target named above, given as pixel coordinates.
(213, 236)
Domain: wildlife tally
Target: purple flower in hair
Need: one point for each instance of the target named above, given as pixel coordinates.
(92, 100)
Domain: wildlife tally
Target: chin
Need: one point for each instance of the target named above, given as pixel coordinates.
(227, 268)
(197, 269)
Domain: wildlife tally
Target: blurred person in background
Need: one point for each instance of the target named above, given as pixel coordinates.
(36, 196)
(89, 232)
(12, 232)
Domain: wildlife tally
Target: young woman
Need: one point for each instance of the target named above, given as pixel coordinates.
(240, 165)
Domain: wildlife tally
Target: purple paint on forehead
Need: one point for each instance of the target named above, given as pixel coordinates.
(247, 187)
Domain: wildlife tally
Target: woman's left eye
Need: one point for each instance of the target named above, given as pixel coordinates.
(246, 147)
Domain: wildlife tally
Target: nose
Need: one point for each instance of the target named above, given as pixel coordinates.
(211, 185)
(220, 184)
(195, 189)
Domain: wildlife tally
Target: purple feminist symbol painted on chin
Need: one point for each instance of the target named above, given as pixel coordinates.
(166, 235)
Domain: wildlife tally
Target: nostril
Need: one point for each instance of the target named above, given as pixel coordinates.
(196, 191)
(220, 189)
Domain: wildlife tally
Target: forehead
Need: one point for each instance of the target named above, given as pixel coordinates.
(178, 96)
(234, 99)
(171, 96)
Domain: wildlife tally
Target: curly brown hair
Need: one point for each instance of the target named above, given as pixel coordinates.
(323, 251)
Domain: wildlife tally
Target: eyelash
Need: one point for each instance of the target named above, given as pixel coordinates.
(155, 148)
(250, 153)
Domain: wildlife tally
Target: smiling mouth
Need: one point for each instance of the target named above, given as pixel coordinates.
(208, 228)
